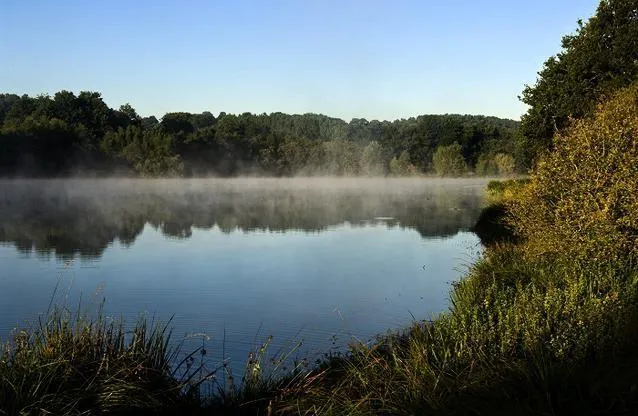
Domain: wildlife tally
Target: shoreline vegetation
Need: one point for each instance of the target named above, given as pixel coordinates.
(545, 323)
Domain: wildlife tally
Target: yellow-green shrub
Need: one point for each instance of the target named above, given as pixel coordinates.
(504, 191)
(582, 200)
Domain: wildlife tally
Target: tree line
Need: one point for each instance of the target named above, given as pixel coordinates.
(68, 134)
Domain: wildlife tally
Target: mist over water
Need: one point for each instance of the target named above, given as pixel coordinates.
(318, 259)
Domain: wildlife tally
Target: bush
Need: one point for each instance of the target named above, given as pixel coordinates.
(582, 200)
(500, 164)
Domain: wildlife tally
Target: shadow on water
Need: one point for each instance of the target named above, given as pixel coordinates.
(82, 217)
(492, 227)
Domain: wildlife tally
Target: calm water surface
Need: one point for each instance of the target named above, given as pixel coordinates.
(321, 261)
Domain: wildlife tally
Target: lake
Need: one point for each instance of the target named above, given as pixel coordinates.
(322, 261)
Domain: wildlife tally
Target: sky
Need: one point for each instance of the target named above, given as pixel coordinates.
(369, 59)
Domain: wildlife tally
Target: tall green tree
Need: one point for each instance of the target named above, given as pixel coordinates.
(599, 58)
(342, 157)
(149, 153)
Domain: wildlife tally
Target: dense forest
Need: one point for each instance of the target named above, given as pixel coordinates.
(69, 134)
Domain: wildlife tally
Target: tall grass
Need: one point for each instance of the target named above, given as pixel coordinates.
(68, 364)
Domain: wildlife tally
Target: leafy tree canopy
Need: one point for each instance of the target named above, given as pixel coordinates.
(599, 58)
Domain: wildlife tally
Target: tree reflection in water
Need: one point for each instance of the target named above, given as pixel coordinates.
(82, 217)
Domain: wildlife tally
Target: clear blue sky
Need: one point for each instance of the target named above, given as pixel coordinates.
(349, 58)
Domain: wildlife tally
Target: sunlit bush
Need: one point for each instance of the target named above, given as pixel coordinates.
(582, 200)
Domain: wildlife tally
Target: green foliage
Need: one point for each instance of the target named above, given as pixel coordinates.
(149, 153)
(7, 101)
(341, 158)
(500, 164)
(583, 197)
(130, 113)
(595, 61)
(485, 166)
(448, 160)
(54, 146)
(505, 164)
(174, 123)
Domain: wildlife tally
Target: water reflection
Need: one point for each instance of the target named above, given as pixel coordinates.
(83, 217)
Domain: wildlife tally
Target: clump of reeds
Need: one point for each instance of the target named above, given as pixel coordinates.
(71, 364)
(265, 385)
